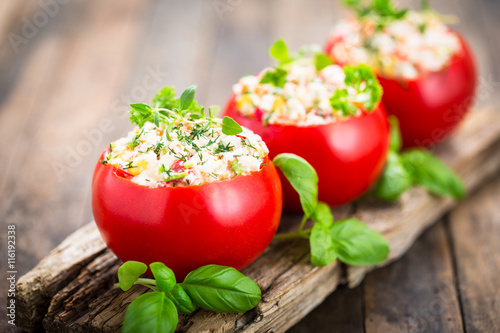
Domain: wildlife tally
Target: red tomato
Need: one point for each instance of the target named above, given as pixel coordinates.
(430, 107)
(348, 156)
(228, 222)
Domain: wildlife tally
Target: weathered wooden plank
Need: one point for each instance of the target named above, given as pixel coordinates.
(340, 312)
(36, 288)
(416, 294)
(402, 222)
(49, 113)
(475, 230)
(291, 286)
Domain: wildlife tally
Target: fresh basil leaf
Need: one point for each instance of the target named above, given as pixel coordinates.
(151, 312)
(164, 276)
(425, 5)
(302, 177)
(230, 126)
(157, 119)
(321, 61)
(394, 180)
(322, 248)
(187, 97)
(165, 99)
(279, 51)
(181, 300)
(395, 134)
(363, 79)
(140, 113)
(276, 77)
(358, 245)
(129, 272)
(323, 214)
(429, 172)
(221, 289)
(340, 101)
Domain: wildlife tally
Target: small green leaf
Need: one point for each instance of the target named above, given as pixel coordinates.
(395, 134)
(221, 289)
(322, 248)
(213, 111)
(165, 99)
(323, 214)
(302, 177)
(279, 51)
(187, 97)
(358, 245)
(230, 127)
(157, 119)
(394, 180)
(363, 79)
(181, 299)
(341, 102)
(140, 113)
(276, 77)
(151, 312)
(429, 172)
(129, 272)
(164, 276)
(321, 61)
(425, 5)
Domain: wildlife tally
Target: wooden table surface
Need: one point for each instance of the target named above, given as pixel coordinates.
(69, 68)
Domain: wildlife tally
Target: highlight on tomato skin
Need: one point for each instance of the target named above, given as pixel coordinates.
(431, 79)
(431, 107)
(186, 189)
(348, 156)
(228, 223)
(328, 115)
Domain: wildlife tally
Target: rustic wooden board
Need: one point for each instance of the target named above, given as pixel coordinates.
(475, 230)
(454, 265)
(291, 286)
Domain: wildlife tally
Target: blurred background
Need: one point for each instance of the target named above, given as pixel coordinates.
(69, 69)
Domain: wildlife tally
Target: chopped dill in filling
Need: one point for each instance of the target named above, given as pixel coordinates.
(181, 147)
(396, 43)
(305, 90)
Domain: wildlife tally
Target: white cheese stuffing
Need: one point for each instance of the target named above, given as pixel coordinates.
(418, 42)
(304, 99)
(197, 153)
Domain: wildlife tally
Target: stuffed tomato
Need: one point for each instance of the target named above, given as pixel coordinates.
(185, 194)
(329, 116)
(427, 70)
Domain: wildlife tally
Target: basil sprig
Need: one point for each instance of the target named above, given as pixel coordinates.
(167, 111)
(284, 60)
(415, 166)
(211, 287)
(349, 240)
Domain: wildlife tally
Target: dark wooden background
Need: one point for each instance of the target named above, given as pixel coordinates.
(69, 68)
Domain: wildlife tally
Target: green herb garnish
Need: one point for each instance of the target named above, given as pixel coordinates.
(349, 240)
(211, 287)
(237, 168)
(415, 167)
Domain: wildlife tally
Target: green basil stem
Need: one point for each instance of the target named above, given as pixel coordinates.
(298, 234)
(150, 283)
(301, 233)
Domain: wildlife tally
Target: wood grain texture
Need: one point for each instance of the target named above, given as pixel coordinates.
(291, 286)
(475, 230)
(417, 209)
(96, 56)
(415, 295)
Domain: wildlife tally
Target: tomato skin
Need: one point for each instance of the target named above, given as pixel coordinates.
(431, 107)
(348, 156)
(229, 222)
